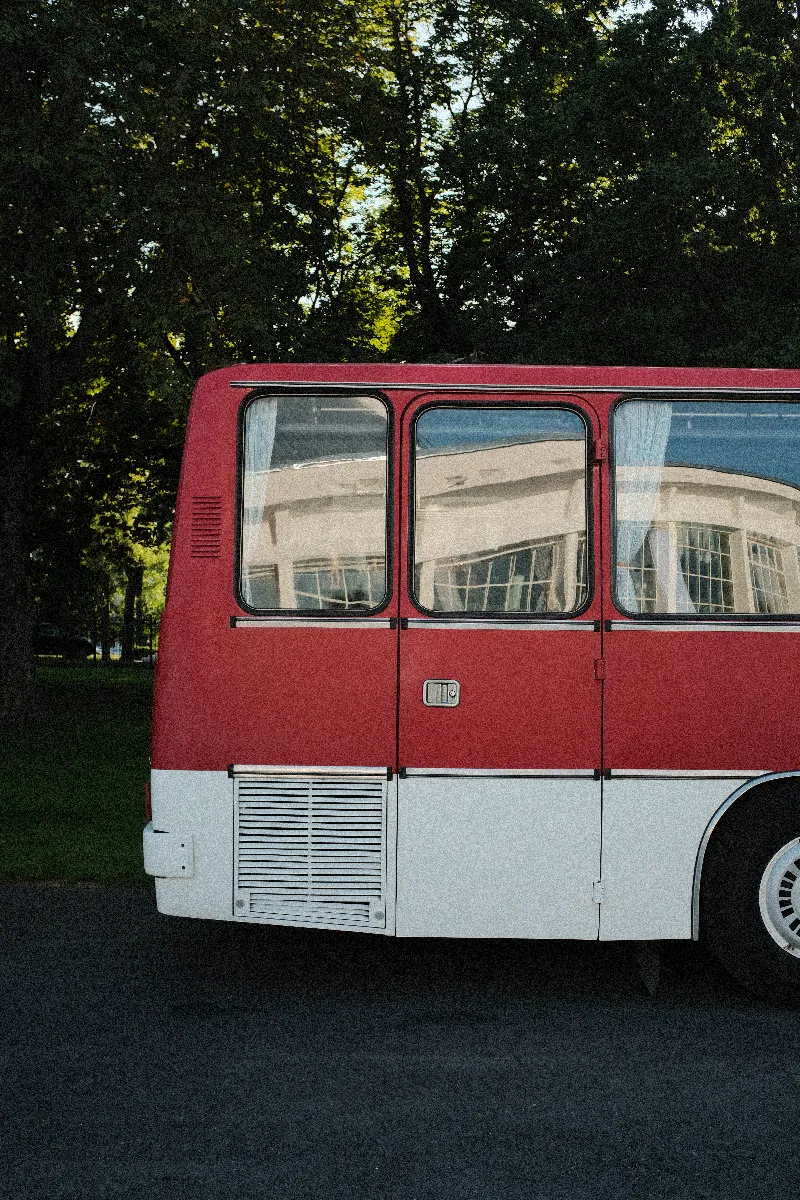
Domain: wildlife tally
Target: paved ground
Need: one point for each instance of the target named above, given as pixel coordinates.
(147, 1057)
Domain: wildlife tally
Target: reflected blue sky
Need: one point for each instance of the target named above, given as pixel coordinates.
(745, 437)
(459, 429)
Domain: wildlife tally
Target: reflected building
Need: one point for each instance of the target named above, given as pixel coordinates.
(500, 515)
(318, 540)
(717, 542)
(502, 529)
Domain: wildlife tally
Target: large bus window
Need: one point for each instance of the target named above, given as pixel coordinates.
(707, 507)
(313, 521)
(500, 510)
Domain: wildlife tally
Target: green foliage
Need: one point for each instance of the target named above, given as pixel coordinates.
(199, 183)
(72, 788)
(188, 185)
(177, 190)
(624, 186)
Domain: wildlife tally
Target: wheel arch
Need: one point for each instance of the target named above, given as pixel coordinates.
(760, 783)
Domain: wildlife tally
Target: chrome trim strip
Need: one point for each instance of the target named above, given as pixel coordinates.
(635, 773)
(456, 623)
(558, 389)
(732, 626)
(310, 623)
(237, 771)
(701, 852)
(489, 772)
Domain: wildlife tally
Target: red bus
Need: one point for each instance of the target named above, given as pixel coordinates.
(487, 651)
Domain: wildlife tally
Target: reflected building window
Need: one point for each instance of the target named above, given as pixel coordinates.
(354, 585)
(313, 516)
(518, 579)
(643, 576)
(707, 505)
(705, 558)
(767, 576)
(641, 572)
(708, 577)
(263, 587)
(500, 515)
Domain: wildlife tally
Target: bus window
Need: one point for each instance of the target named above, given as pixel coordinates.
(313, 517)
(707, 507)
(500, 510)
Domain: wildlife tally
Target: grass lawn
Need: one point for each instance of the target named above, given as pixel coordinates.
(72, 789)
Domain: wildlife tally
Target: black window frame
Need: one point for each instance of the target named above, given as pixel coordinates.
(316, 614)
(662, 618)
(521, 617)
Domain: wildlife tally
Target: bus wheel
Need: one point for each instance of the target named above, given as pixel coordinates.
(750, 896)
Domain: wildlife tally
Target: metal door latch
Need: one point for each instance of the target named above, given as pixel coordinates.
(441, 693)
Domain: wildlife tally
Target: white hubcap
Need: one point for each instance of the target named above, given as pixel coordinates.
(779, 897)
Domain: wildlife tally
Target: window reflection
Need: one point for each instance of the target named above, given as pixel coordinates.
(314, 504)
(708, 507)
(500, 512)
(521, 580)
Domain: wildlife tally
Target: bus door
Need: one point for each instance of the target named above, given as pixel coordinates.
(500, 695)
(702, 648)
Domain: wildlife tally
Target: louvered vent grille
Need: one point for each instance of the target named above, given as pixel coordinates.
(311, 850)
(206, 526)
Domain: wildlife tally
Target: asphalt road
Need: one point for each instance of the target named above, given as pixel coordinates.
(145, 1057)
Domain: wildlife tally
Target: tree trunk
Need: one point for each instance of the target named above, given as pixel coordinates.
(105, 631)
(414, 196)
(133, 588)
(17, 664)
(138, 623)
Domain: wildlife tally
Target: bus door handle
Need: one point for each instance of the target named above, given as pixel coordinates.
(441, 693)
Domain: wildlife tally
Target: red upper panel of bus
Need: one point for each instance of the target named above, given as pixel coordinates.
(226, 695)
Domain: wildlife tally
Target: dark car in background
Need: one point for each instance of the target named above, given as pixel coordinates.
(48, 639)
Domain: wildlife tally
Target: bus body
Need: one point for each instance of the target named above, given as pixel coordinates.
(486, 651)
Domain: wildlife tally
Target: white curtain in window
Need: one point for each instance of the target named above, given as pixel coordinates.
(259, 441)
(448, 598)
(641, 432)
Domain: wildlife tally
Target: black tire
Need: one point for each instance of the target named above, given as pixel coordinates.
(735, 915)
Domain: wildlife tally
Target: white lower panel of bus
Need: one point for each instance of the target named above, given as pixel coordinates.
(497, 856)
(198, 803)
(652, 830)
(492, 856)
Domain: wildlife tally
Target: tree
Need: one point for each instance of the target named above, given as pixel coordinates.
(188, 185)
(173, 187)
(617, 185)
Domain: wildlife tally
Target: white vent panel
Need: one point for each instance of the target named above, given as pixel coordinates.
(311, 850)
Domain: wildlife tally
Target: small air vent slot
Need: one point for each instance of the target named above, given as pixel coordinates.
(311, 851)
(206, 526)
